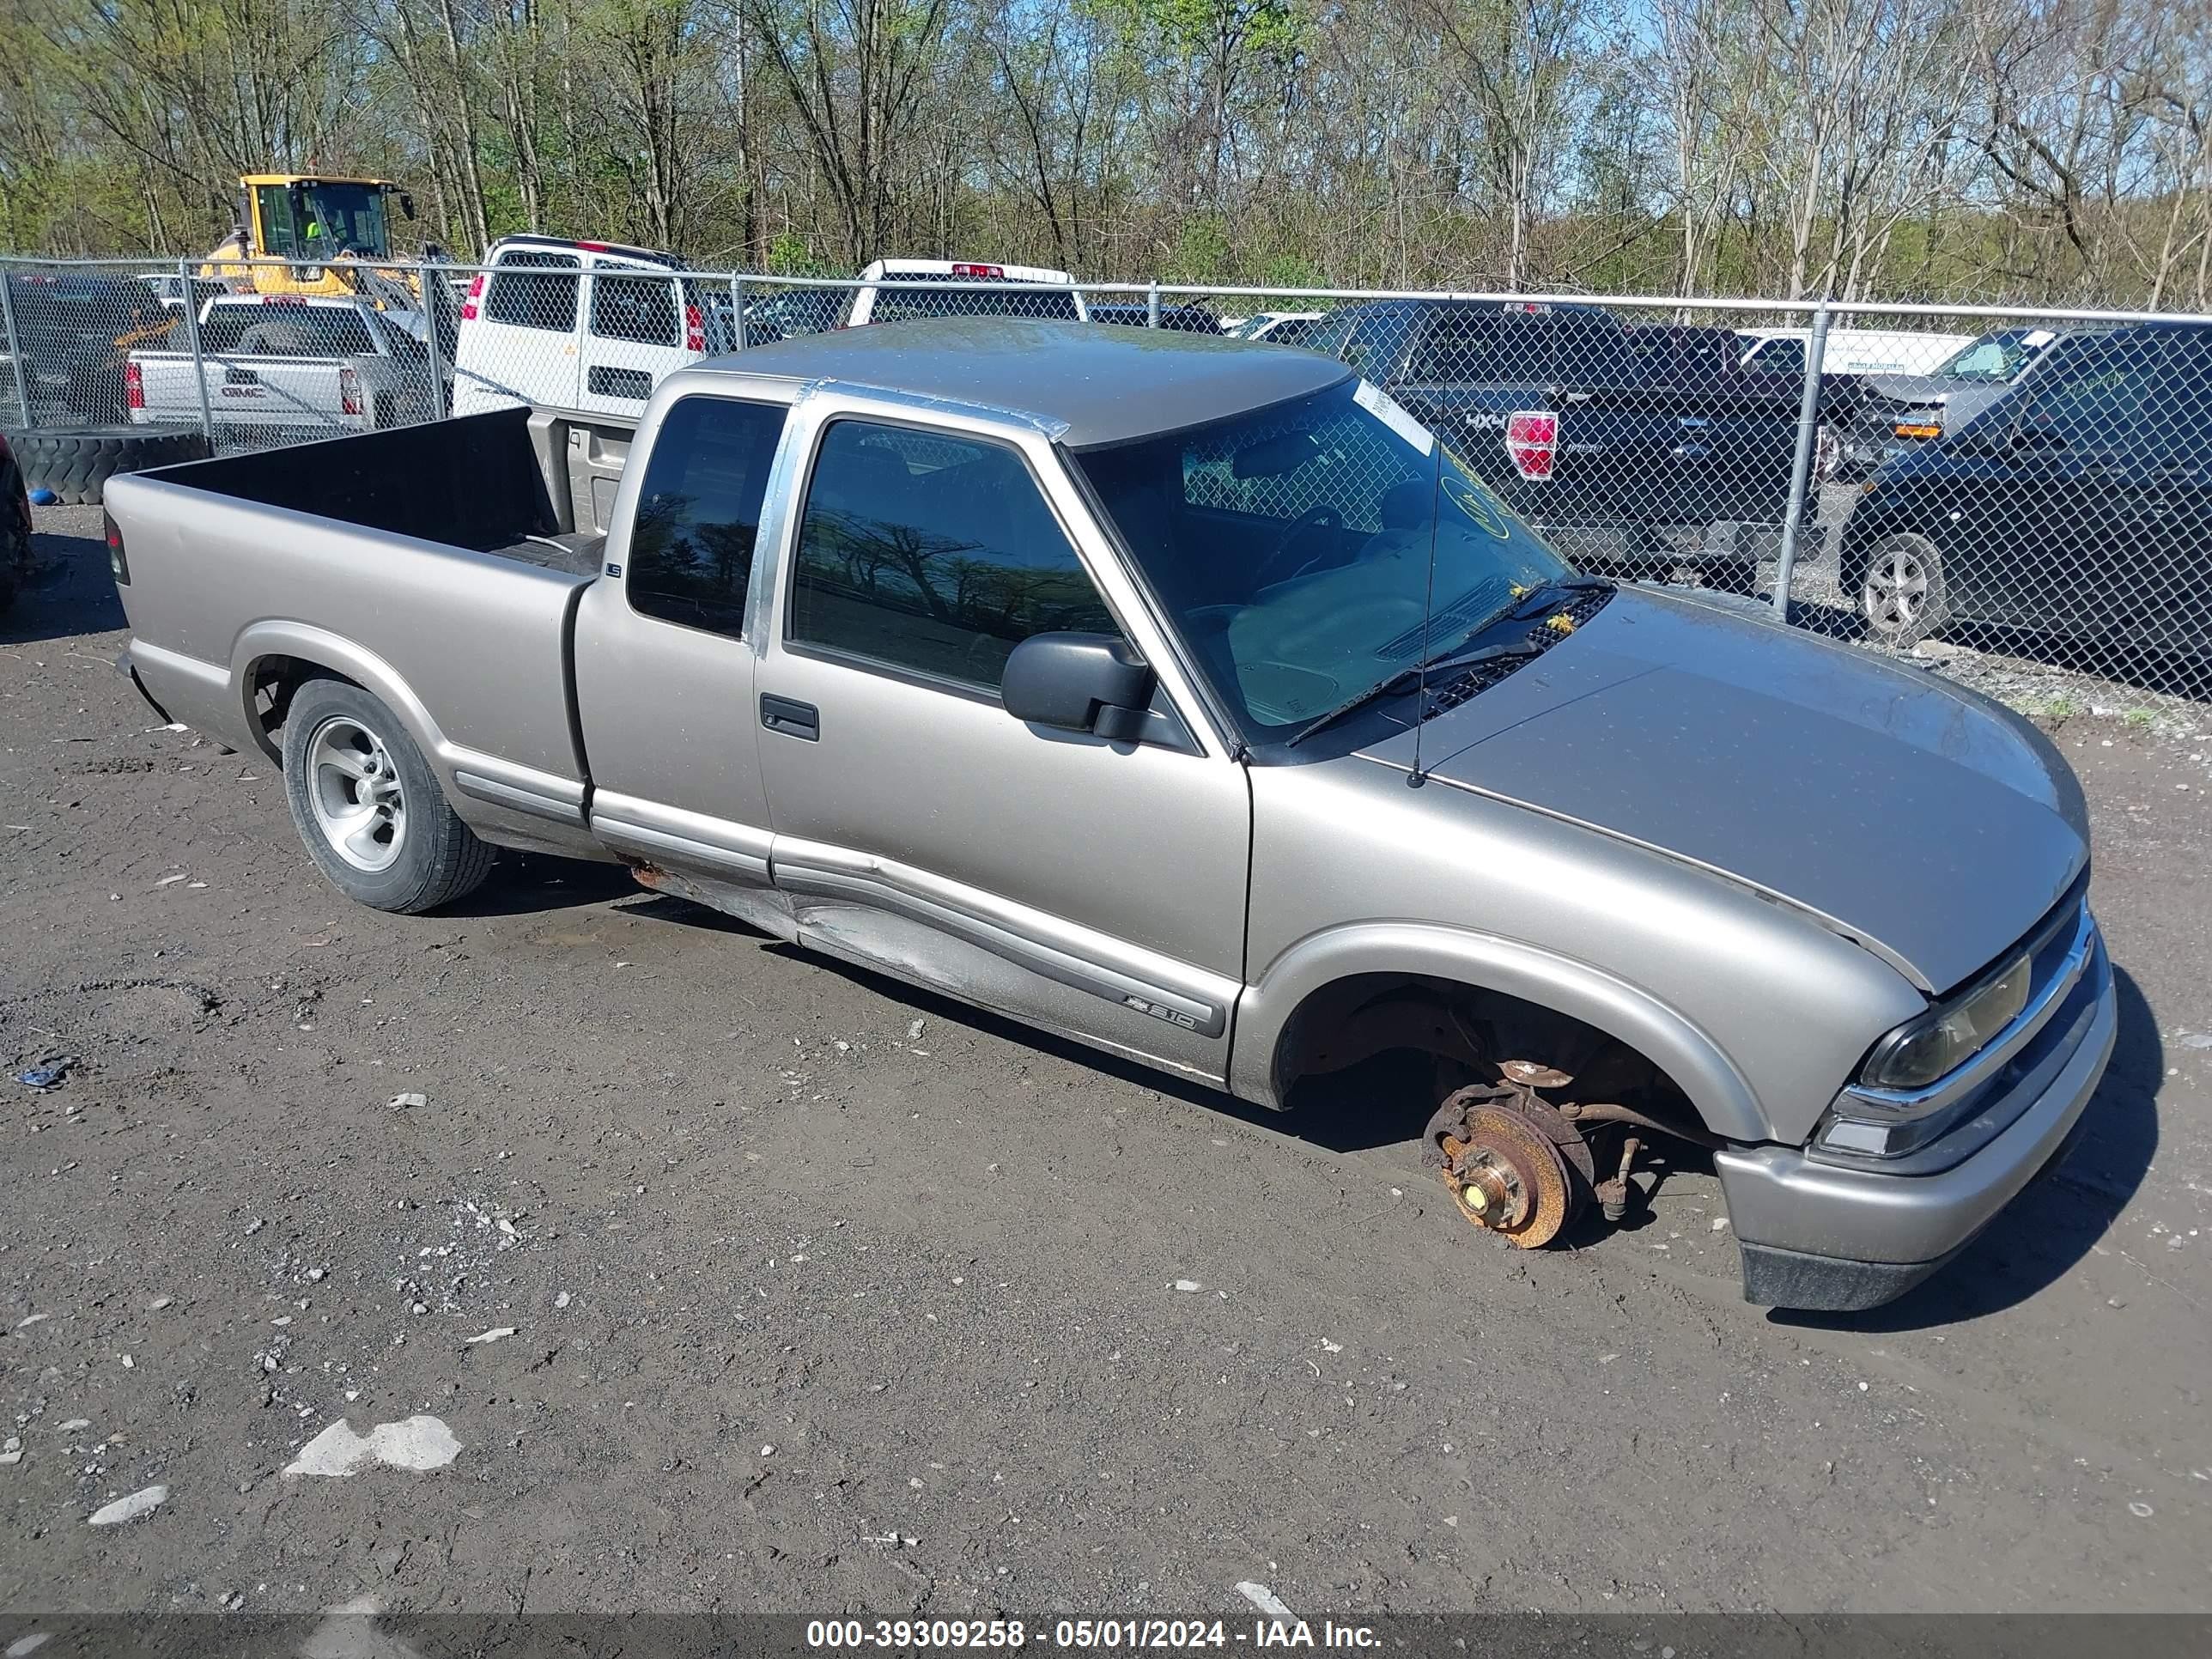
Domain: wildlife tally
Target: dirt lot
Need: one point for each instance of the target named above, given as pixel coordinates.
(826, 1295)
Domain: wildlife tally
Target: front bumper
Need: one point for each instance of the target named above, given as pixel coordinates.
(1819, 1234)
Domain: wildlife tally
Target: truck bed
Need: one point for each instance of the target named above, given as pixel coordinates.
(473, 482)
(430, 558)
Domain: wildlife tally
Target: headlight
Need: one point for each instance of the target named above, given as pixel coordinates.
(1863, 1124)
(1917, 1053)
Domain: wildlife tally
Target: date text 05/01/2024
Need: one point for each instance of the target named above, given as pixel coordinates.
(1094, 1635)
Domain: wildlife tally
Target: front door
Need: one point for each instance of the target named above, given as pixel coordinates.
(1092, 887)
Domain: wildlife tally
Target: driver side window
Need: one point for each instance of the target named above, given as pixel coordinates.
(932, 553)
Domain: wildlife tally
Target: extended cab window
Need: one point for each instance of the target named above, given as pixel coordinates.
(1456, 348)
(300, 332)
(2130, 395)
(1778, 357)
(639, 309)
(932, 553)
(698, 513)
(531, 290)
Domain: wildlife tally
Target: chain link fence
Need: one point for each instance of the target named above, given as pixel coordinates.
(1914, 479)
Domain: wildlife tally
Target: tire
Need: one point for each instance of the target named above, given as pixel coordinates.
(1898, 589)
(75, 463)
(368, 806)
(15, 538)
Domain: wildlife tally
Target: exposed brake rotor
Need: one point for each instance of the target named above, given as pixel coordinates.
(1512, 1163)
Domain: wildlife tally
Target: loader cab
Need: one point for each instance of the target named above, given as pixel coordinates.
(308, 222)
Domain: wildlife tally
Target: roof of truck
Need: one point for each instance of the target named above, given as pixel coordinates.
(1102, 383)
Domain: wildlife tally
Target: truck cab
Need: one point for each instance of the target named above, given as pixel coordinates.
(1190, 699)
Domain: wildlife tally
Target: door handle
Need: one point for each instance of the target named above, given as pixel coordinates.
(794, 720)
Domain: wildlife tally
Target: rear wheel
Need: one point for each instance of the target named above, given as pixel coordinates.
(368, 806)
(1901, 591)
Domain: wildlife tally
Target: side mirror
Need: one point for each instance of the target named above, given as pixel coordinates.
(1079, 683)
(406, 206)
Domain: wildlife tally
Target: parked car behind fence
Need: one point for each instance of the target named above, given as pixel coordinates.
(2077, 508)
(1705, 491)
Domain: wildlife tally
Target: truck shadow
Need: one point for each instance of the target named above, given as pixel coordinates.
(525, 884)
(2039, 1237)
(68, 592)
(1383, 1104)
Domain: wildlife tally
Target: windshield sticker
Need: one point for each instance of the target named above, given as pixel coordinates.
(1479, 504)
(1385, 408)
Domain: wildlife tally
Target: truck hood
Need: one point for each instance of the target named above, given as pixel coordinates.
(1953, 403)
(1927, 823)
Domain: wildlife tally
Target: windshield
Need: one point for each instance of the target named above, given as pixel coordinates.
(895, 305)
(341, 218)
(1290, 547)
(286, 330)
(1994, 359)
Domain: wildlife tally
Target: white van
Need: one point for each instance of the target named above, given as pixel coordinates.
(587, 326)
(1850, 350)
(1050, 295)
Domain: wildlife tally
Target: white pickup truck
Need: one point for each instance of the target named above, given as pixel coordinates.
(319, 367)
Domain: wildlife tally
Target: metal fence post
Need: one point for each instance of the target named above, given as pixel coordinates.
(1801, 482)
(434, 300)
(15, 345)
(736, 312)
(192, 309)
(1152, 305)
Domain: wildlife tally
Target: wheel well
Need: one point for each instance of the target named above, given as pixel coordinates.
(271, 684)
(1467, 1030)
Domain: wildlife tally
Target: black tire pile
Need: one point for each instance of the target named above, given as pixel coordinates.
(75, 463)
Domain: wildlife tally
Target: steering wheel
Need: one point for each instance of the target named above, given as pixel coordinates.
(1319, 516)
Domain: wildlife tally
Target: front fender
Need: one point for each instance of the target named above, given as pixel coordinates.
(1724, 1099)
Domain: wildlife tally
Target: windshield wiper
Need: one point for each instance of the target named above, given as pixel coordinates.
(1544, 595)
(1406, 678)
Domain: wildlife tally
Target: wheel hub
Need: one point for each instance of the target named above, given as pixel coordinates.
(356, 794)
(1896, 590)
(1513, 1165)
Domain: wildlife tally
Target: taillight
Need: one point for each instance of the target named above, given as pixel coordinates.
(979, 270)
(1532, 437)
(119, 565)
(476, 293)
(134, 387)
(1917, 429)
(348, 391)
(695, 329)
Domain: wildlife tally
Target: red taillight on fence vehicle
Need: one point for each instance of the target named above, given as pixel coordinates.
(979, 270)
(134, 387)
(695, 329)
(348, 391)
(476, 293)
(1532, 437)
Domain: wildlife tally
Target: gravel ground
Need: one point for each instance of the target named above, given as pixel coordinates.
(799, 1291)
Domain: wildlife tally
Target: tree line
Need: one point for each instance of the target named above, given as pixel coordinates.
(2047, 151)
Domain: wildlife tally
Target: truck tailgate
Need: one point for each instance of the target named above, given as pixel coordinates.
(1654, 456)
(286, 392)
